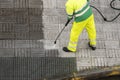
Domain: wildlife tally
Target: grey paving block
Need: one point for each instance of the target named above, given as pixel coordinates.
(6, 35)
(50, 19)
(7, 44)
(7, 52)
(35, 44)
(83, 53)
(20, 12)
(50, 34)
(35, 11)
(54, 12)
(52, 53)
(6, 3)
(111, 27)
(101, 44)
(36, 35)
(113, 61)
(36, 27)
(84, 61)
(7, 27)
(51, 27)
(21, 20)
(21, 3)
(60, 4)
(99, 62)
(99, 53)
(7, 19)
(84, 35)
(49, 4)
(37, 52)
(112, 44)
(83, 44)
(35, 3)
(112, 53)
(101, 36)
(35, 68)
(21, 28)
(6, 12)
(112, 36)
(99, 27)
(36, 19)
(22, 44)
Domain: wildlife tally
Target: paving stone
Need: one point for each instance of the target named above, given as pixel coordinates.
(54, 27)
(101, 44)
(7, 19)
(22, 52)
(83, 53)
(21, 3)
(101, 36)
(6, 3)
(84, 35)
(49, 4)
(35, 3)
(84, 61)
(112, 44)
(35, 68)
(99, 62)
(6, 27)
(35, 11)
(7, 44)
(7, 52)
(112, 53)
(52, 53)
(113, 61)
(50, 19)
(8, 36)
(99, 27)
(60, 4)
(50, 34)
(39, 21)
(110, 27)
(54, 12)
(98, 53)
(83, 44)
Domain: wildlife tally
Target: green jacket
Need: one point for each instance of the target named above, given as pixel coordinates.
(80, 9)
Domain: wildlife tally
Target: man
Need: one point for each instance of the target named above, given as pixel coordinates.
(83, 18)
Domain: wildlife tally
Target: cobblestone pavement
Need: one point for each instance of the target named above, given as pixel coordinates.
(108, 40)
(28, 28)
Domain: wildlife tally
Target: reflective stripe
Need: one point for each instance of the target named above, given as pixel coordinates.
(77, 15)
(73, 42)
(69, 16)
(92, 40)
(81, 8)
(72, 47)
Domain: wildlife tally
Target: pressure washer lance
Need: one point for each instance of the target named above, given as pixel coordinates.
(61, 32)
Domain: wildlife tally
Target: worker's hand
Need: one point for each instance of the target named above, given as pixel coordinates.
(70, 17)
(67, 22)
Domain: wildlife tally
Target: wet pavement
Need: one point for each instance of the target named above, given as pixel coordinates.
(28, 29)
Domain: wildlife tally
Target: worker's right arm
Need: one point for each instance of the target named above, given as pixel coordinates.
(69, 10)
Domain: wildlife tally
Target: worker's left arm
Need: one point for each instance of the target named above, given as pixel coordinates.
(69, 10)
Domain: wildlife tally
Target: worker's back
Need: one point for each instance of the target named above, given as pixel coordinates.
(77, 4)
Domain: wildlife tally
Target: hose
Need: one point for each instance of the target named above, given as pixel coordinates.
(111, 5)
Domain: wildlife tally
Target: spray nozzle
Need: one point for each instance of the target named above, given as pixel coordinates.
(105, 19)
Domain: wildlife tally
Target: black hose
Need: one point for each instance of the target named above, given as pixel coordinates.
(111, 5)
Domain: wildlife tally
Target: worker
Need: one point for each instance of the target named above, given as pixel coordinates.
(83, 18)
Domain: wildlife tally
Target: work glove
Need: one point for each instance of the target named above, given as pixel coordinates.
(70, 17)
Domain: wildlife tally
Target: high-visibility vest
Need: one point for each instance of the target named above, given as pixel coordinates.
(80, 9)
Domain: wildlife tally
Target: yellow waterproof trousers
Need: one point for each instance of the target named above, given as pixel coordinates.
(76, 30)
